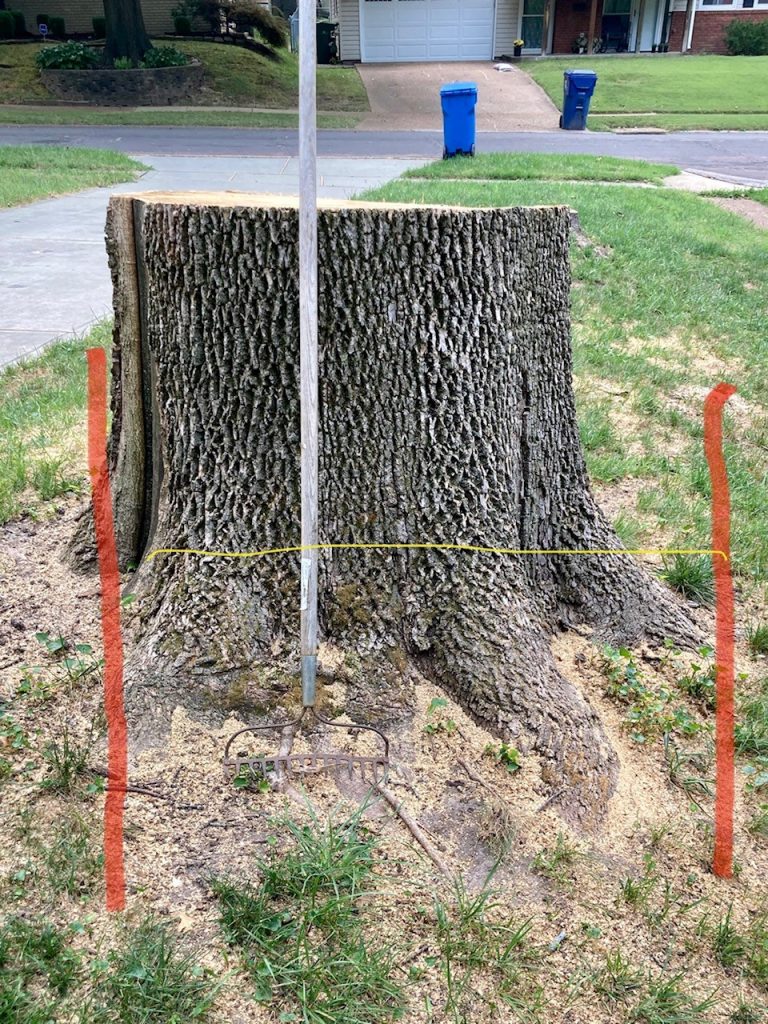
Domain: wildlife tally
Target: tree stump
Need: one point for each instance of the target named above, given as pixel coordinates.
(447, 416)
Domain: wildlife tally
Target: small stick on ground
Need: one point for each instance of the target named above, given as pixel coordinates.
(416, 830)
(478, 778)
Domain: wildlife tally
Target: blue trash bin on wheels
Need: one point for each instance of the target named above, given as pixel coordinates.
(458, 100)
(578, 87)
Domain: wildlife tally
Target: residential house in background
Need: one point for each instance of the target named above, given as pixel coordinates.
(424, 30)
(78, 15)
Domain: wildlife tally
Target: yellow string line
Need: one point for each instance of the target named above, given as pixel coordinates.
(437, 547)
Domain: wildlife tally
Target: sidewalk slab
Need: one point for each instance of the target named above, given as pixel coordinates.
(56, 281)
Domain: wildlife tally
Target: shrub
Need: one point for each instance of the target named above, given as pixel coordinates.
(122, 64)
(6, 25)
(182, 25)
(57, 28)
(68, 57)
(100, 28)
(164, 57)
(19, 25)
(747, 38)
(43, 19)
(249, 14)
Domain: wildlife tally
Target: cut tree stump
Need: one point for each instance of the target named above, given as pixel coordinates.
(447, 416)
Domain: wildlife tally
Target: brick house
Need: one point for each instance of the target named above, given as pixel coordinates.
(78, 15)
(423, 30)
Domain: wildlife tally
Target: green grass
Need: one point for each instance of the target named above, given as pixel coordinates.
(677, 288)
(167, 116)
(690, 85)
(476, 935)
(681, 122)
(37, 970)
(234, 76)
(36, 172)
(42, 414)
(149, 978)
(238, 76)
(545, 167)
(300, 931)
(666, 1002)
(146, 978)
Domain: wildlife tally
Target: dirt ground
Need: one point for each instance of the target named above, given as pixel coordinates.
(193, 825)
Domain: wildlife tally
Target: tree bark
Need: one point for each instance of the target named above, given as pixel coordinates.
(447, 416)
(126, 34)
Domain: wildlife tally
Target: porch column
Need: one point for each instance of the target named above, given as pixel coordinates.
(639, 25)
(592, 26)
(690, 8)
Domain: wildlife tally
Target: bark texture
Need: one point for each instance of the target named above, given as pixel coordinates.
(447, 416)
(126, 34)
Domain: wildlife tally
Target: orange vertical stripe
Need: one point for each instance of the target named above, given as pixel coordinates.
(722, 864)
(117, 737)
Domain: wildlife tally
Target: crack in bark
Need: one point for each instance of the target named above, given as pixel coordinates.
(447, 414)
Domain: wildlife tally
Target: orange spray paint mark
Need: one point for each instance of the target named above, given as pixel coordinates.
(117, 736)
(722, 864)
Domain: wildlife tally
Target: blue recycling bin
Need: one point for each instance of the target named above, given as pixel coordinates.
(458, 100)
(578, 87)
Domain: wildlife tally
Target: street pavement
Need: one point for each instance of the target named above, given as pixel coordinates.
(55, 281)
(740, 155)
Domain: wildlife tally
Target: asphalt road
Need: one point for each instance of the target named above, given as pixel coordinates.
(739, 155)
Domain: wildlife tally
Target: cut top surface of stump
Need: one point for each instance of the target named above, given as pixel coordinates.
(263, 200)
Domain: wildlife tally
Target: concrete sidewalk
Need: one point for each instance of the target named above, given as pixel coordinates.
(407, 96)
(55, 280)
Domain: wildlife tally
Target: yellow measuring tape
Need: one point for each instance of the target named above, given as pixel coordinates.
(436, 547)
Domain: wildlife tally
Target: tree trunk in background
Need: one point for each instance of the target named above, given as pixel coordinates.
(447, 416)
(126, 34)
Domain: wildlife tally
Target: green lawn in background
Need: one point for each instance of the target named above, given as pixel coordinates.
(36, 172)
(544, 167)
(666, 84)
(41, 400)
(681, 122)
(669, 300)
(167, 116)
(234, 76)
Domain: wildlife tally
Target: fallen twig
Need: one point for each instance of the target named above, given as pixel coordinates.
(416, 830)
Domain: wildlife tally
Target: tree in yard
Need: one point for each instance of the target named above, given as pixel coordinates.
(447, 416)
(126, 34)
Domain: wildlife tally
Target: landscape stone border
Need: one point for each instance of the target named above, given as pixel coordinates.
(108, 87)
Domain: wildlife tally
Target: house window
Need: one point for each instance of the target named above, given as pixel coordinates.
(716, 3)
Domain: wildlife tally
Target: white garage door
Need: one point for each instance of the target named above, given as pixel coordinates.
(393, 30)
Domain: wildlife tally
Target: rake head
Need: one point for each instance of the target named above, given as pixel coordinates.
(367, 768)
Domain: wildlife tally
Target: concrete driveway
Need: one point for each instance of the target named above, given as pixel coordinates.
(407, 96)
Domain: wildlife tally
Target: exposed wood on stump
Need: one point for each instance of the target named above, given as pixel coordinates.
(447, 416)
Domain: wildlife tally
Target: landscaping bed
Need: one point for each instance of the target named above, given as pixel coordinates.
(232, 76)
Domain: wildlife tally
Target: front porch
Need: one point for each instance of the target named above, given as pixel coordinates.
(612, 26)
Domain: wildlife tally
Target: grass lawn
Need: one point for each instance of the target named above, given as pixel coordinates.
(41, 400)
(167, 116)
(660, 86)
(681, 122)
(671, 302)
(545, 167)
(234, 76)
(35, 172)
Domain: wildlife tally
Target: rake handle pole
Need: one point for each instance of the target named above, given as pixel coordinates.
(308, 344)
